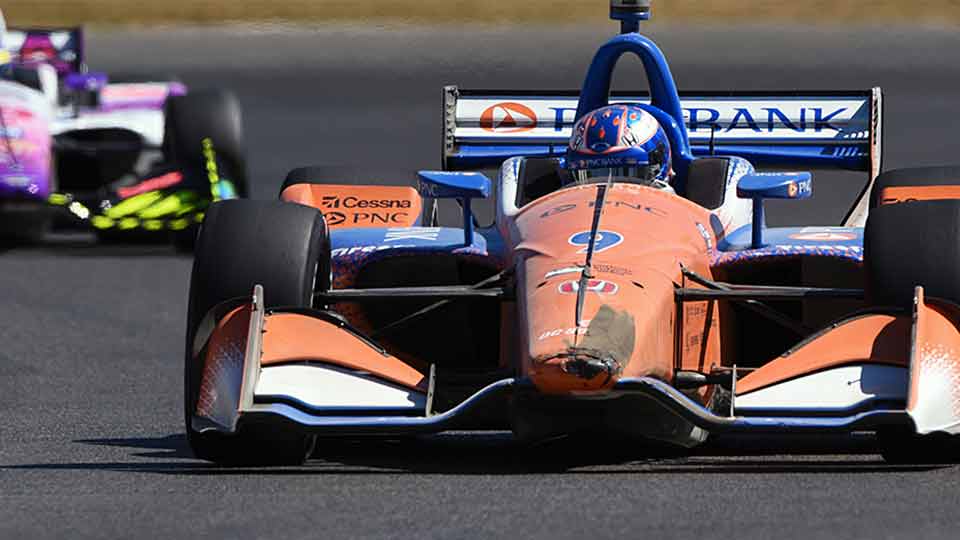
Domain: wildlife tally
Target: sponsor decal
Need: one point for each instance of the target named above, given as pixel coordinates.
(134, 92)
(562, 271)
(693, 341)
(17, 181)
(706, 236)
(692, 310)
(611, 269)
(796, 188)
(12, 132)
(370, 211)
(426, 234)
(330, 201)
(151, 184)
(557, 210)
(19, 147)
(597, 286)
(13, 115)
(902, 194)
(343, 252)
(759, 120)
(605, 240)
(608, 204)
(565, 331)
(824, 236)
(600, 268)
(429, 190)
(508, 117)
(335, 219)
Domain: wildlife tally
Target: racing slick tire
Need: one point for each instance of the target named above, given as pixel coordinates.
(905, 245)
(909, 244)
(285, 248)
(189, 120)
(915, 177)
(904, 447)
(23, 225)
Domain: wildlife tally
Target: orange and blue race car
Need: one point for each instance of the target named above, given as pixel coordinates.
(628, 283)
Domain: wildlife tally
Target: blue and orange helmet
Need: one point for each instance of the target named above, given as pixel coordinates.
(621, 141)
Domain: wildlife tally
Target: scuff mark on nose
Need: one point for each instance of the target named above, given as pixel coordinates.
(605, 348)
(611, 331)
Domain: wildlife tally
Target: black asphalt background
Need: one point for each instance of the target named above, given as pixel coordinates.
(90, 368)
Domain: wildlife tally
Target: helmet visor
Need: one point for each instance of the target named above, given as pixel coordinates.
(637, 174)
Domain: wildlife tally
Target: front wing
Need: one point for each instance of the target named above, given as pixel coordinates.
(257, 370)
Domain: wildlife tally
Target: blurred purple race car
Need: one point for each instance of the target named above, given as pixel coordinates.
(126, 157)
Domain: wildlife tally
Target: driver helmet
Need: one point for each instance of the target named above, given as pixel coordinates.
(623, 142)
(6, 59)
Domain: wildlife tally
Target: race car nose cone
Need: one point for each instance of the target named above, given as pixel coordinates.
(575, 371)
(593, 361)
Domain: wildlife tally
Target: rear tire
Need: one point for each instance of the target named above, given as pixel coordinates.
(909, 244)
(213, 114)
(920, 176)
(284, 247)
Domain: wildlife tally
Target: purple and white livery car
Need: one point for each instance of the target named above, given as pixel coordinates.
(127, 157)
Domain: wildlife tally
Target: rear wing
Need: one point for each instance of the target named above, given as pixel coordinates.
(834, 130)
(62, 48)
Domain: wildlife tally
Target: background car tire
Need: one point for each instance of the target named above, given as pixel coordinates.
(282, 246)
(27, 227)
(213, 114)
(189, 120)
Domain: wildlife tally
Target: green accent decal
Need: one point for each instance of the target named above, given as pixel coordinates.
(133, 205)
(152, 211)
(213, 172)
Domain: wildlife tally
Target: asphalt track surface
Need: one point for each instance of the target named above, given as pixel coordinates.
(90, 368)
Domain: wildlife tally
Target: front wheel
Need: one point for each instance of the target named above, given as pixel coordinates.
(285, 248)
(904, 447)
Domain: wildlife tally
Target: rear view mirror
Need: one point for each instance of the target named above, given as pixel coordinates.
(760, 186)
(456, 185)
(453, 185)
(787, 185)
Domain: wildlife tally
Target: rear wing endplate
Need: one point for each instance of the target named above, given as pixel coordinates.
(817, 130)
